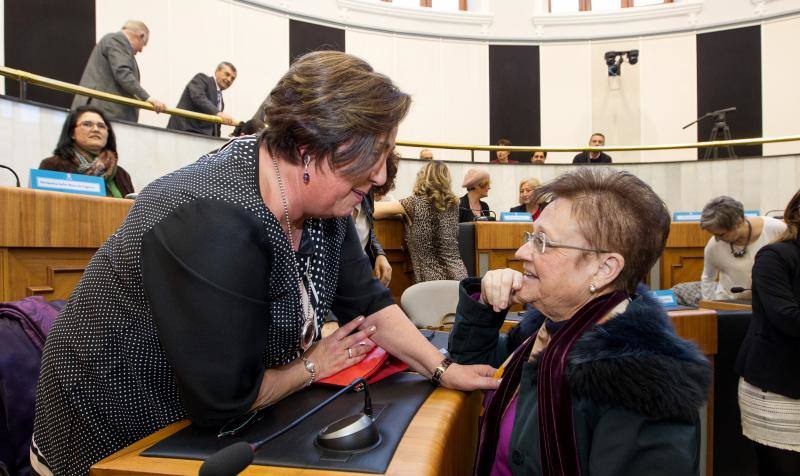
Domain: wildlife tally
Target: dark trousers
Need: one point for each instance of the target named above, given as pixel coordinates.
(777, 462)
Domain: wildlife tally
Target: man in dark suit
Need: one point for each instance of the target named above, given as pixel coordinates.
(585, 157)
(112, 68)
(204, 94)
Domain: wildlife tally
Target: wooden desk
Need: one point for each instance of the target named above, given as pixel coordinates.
(47, 239)
(441, 440)
(390, 235)
(682, 259)
(725, 305)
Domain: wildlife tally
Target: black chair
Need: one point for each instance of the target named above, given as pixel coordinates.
(466, 246)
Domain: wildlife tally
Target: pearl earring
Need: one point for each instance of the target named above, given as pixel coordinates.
(592, 288)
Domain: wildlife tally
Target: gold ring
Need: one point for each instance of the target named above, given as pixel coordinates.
(350, 352)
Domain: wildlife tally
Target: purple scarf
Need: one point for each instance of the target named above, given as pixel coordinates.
(559, 453)
(558, 450)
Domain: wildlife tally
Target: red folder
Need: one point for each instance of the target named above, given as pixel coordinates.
(377, 365)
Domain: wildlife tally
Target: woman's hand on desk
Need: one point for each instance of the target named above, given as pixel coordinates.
(331, 354)
(499, 287)
(470, 377)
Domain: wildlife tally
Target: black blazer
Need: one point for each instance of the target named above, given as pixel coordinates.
(373, 247)
(583, 158)
(770, 354)
(200, 95)
(518, 208)
(465, 213)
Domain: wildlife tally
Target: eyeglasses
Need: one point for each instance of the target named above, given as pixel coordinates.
(88, 125)
(540, 243)
(236, 425)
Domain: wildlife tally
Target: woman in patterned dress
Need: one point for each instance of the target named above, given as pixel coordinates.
(431, 231)
(207, 302)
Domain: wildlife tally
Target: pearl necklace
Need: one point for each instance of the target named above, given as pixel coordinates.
(309, 321)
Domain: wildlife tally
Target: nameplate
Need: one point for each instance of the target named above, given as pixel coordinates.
(665, 297)
(69, 183)
(695, 216)
(515, 216)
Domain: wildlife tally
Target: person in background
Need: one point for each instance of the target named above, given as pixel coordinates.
(431, 231)
(246, 128)
(596, 140)
(112, 68)
(426, 154)
(478, 184)
(204, 94)
(729, 254)
(503, 156)
(527, 200)
(769, 390)
(87, 146)
(363, 216)
(539, 157)
(207, 302)
(603, 385)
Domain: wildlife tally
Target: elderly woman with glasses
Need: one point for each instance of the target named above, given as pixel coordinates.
(88, 146)
(730, 252)
(595, 380)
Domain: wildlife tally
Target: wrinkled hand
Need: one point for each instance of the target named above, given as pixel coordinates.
(499, 287)
(382, 270)
(226, 119)
(470, 377)
(330, 354)
(158, 106)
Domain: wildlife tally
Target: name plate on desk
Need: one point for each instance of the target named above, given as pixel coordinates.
(69, 183)
(515, 216)
(695, 216)
(665, 297)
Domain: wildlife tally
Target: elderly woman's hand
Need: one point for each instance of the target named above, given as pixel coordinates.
(470, 377)
(341, 349)
(499, 287)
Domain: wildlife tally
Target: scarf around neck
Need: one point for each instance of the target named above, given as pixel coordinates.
(103, 165)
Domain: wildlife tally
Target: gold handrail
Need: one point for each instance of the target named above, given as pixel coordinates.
(43, 81)
(25, 76)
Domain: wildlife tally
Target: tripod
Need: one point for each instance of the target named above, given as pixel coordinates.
(720, 126)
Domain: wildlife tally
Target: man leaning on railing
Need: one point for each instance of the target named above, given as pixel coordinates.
(112, 68)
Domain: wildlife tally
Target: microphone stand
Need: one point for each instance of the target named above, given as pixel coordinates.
(233, 459)
(12, 171)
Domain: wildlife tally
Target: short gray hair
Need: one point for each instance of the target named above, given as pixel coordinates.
(136, 26)
(722, 212)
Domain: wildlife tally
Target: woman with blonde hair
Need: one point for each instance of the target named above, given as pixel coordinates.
(432, 225)
(527, 202)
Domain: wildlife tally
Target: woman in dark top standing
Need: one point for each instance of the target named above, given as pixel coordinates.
(207, 303)
(87, 146)
(471, 207)
(769, 389)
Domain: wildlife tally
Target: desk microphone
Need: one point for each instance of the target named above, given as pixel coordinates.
(739, 289)
(12, 171)
(348, 434)
(482, 217)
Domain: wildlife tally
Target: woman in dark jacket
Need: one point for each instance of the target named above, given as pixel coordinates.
(527, 204)
(88, 146)
(604, 386)
(471, 207)
(769, 390)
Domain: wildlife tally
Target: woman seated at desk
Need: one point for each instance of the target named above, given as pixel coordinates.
(604, 386)
(527, 202)
(88, 146)
(431, 230)
(732, 249)
(208, 300)
(471, 207)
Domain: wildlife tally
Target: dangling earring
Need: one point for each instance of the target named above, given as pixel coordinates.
(592, 288)
(306, 175)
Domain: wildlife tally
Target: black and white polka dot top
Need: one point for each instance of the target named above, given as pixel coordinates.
(181, 310)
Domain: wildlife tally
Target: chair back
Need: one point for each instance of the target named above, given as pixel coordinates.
(466, 246)
(432, 304)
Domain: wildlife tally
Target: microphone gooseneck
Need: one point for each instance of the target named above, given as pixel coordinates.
(12, 171)
(233, 459)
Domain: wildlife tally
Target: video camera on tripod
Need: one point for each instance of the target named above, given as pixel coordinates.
(720, 125)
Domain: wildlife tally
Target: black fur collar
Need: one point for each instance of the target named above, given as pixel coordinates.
(636, 360)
